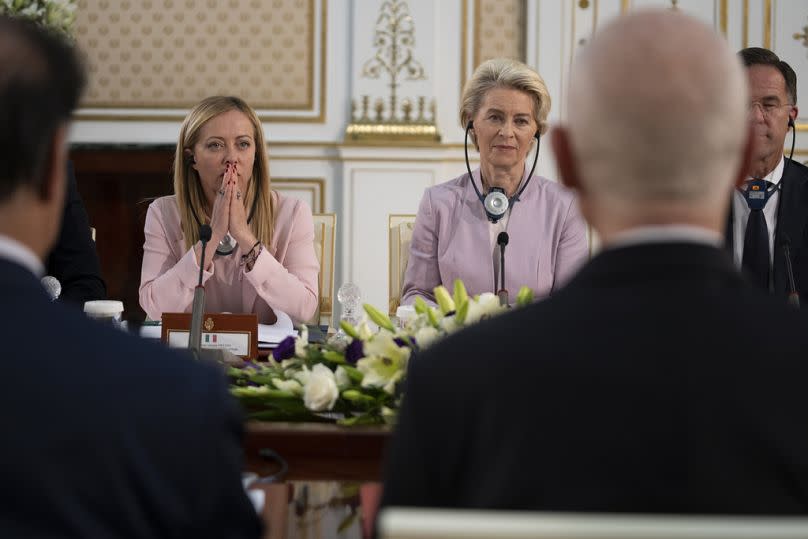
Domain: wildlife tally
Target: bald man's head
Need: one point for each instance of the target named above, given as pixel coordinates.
(41, 79)
(657, 113)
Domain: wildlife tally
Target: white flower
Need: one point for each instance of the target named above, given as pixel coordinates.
(383, 344)
(342, 378)
(426, 336)
(292, 386)
(302, 342)
(301, 376)
(486, 305)
(364, 330)
(320, 392)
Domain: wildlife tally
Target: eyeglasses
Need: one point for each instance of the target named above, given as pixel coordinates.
(767, 109)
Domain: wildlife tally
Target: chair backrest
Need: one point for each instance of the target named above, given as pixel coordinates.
(325, 233)
(400, 233)
(398, 523)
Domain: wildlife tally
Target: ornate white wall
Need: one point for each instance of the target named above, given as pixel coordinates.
(363, 183)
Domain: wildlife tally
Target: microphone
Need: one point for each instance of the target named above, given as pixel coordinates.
(502, 241)
(52, 286)
(198, 309)
(793, 296)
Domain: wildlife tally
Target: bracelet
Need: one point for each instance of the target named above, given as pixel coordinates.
(251, 256)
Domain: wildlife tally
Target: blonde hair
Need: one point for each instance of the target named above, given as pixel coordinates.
(188, 189)
(510, 74)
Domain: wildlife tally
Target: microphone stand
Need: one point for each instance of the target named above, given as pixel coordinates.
(502, 293)
(198, 309)
(793, 295)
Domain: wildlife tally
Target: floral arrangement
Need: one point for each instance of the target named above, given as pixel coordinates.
(356, 382)
(57, 15)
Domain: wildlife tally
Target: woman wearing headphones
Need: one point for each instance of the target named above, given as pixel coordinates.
(261, 254)
(463, 224)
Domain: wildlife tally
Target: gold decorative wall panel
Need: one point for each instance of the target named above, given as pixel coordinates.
(172, 53)
(499, 29)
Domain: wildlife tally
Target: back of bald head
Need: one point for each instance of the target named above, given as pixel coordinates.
(657, 112)
(41, 80)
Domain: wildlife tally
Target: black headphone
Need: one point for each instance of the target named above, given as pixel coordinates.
(496, 202)
(791, 122)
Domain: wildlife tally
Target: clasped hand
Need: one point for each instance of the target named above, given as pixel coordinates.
(229, 213)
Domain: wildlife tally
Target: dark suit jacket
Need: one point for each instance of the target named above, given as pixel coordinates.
(106, 435)
(74, 260)
(656, 381)
(792, 223)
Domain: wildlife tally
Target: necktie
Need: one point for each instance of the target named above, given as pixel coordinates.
(756, 240)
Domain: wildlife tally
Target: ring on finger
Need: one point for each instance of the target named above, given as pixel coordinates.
(221, 192)
(238, 195)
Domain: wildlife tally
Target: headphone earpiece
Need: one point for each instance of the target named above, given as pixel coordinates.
(470, 125)
(791, 122)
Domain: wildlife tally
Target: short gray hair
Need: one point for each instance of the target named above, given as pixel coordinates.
(510, 74)
(657, 111)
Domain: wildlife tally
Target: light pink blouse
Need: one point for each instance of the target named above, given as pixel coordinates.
(284, 276)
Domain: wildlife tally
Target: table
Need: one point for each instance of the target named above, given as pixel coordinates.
(317, 451)
(333, 479)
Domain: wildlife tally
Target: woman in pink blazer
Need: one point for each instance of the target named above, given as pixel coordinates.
(261, 254)
(504, 108)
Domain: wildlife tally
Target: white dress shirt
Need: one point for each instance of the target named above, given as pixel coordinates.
(740, 215)
(11, 249)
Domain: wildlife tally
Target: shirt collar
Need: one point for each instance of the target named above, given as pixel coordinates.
(13, 250)
(775, 175)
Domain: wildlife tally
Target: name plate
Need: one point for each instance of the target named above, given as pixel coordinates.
(236, 333)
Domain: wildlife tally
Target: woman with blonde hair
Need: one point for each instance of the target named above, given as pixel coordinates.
(264, 256)
(463, 225)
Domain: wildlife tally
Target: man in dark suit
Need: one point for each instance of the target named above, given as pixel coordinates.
(74, 260)
(645, 385)
(759, 229)
(104, 435)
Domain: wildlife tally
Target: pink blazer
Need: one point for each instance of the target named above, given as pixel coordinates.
(450, 239)
(283, 277)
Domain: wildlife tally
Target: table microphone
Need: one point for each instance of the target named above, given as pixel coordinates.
(198, 309)
(793, 295)
(52, 286)
(502, 241)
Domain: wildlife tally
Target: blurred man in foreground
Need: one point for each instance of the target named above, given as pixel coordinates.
(645, 385)
(103, 435)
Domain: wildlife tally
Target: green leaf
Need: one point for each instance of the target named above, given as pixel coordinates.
(460, 294)
(420, 305)
(348, 328)
(379, 318)
(445, 301)
(354, 395)
(362, 419)
(333, 355)
(353, 373)
(432, 315)
(524, 297)
(462, 311)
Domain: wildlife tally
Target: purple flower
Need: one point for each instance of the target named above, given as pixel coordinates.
(355, 351)
(285, 349)
(404, 344)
